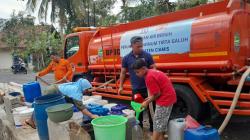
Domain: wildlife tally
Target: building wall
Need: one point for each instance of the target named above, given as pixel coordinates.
(5, 59)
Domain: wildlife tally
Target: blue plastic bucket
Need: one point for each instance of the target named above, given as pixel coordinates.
(40, 105)
(31, 91)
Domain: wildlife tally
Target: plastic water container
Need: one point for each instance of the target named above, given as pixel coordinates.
(98, 97)
(97, 109)
(137, 133)
(40, 105)
(20, 114)
(19, 109)
(176, 129)
(201, 133)
(119, 107)
(85, 97)
(100, 111)
(90, 101)
(117, 113)
(129, 125)
(92, 106)
(117, 110)
(129, 112)
(31, 91)
(110, 127)
(109, 106)
(102, 102)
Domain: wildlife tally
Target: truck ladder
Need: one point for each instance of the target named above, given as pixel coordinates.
(113, 76)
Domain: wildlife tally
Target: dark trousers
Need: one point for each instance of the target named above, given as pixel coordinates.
(144, 94)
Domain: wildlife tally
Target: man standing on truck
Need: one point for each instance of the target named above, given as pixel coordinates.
(62, 69)
(138, 84)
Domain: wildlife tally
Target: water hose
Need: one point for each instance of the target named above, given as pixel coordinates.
(42, 80)
(235, 100)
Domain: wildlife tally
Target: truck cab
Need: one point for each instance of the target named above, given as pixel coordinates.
(76, 52)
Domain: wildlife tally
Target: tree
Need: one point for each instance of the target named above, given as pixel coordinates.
(184, 4)
(72, 13)
(64, 10)
(103, 12)
(40, 46)
(12, 34)
(26, 39)
(144, 8)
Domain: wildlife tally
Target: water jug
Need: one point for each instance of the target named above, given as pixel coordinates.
(201, 133)
(130, 123)
(176, 129)
(137, 133)
(31, 91)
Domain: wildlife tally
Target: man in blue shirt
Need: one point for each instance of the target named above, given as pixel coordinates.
(73, 92)
(138, 84)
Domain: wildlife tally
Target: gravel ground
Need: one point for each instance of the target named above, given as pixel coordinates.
(238, 128)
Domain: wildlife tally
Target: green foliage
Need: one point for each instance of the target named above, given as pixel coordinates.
(40, 46)
(184, 4)
(11, 28)
(108, 20)
(73, 13)
(26, 39)
(144, 9)
(103, 12)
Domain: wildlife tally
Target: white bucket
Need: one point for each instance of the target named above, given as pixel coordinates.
(85, 97)
(21, 116)
(90, 101)
(102, 102)
(98, 97)
(19, 109)
(17, 120)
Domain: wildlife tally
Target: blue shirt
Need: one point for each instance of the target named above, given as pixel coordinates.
(128, 60)
(74, 89)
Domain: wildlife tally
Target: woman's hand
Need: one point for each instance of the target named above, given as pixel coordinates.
(94, 116)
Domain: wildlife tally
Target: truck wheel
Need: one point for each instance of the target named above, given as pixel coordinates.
(187, 103)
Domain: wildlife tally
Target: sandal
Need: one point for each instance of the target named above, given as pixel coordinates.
(31, 124)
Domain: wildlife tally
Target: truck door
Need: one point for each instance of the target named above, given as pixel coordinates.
(72, 52)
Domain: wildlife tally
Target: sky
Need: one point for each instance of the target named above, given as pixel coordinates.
(7, 7)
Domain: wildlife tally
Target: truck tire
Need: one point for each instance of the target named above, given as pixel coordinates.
(187, 103)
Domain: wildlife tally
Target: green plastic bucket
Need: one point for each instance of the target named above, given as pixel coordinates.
(111, 127)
